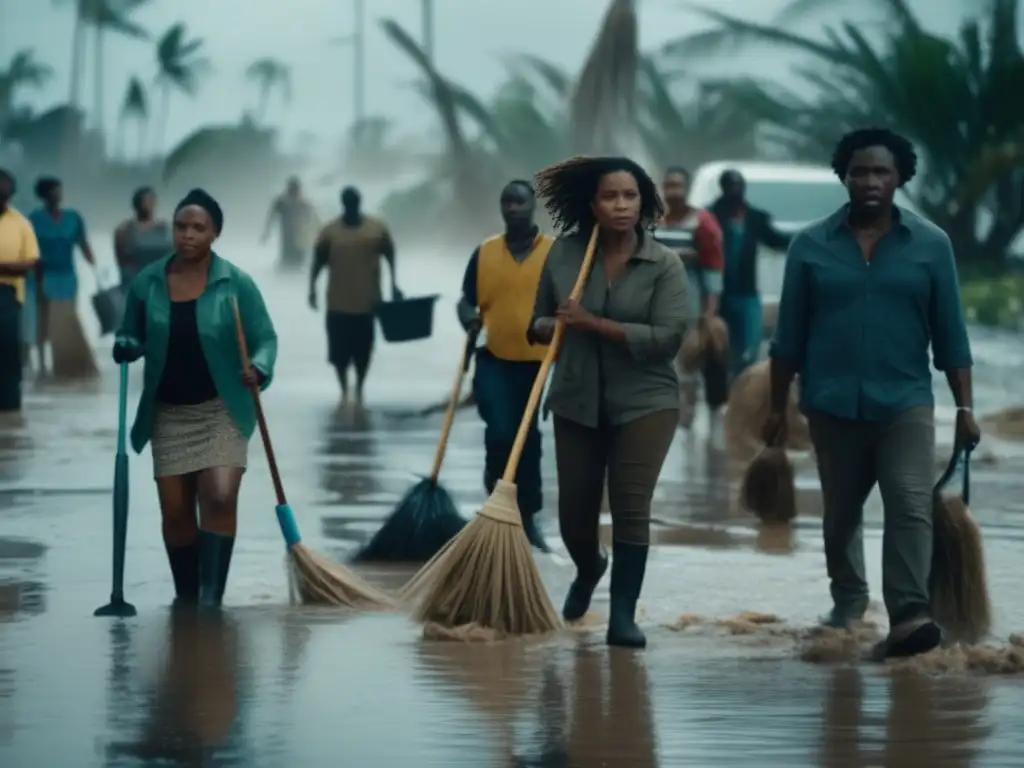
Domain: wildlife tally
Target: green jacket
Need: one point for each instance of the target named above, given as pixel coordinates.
(146, 325)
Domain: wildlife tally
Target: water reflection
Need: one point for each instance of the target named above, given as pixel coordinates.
(842, 720)
(348, 456)
(15, 447)
(935, 722)
(193, 717)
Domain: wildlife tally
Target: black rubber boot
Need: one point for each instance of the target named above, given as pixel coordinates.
(629, 563)
(185, 571)
(581, 591)
(533, 534)
(214, 563)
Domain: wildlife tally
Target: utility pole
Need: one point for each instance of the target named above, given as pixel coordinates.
(427, 20)
(359, 63)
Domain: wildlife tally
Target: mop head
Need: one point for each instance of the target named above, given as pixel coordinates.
(748, 407)
(768, 488)
(315, 580)
(959, 585)
(485, 576)
(709, 338)
(422, 523)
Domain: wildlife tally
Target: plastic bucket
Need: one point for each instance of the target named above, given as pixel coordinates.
(407, 319)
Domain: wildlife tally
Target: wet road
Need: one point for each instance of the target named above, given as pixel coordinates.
(272, 685)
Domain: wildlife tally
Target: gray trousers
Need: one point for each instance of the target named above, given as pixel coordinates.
(898, 455)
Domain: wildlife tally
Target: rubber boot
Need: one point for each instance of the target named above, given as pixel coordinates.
(185, 571)
(629, 562)
(214, 563)
(533, 533)
(581, 591)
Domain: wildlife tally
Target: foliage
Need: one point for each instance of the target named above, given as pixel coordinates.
(997, 302)
(270, 76)
(949, 95)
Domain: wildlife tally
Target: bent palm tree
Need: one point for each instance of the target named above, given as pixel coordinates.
(134, 108)
(269, 75)
(106, 16)
(180, 66)
(949, 95)
(23, 71)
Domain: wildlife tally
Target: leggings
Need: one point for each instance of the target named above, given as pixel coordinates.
(631, 455)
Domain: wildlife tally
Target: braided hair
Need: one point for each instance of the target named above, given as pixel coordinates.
(570, 187)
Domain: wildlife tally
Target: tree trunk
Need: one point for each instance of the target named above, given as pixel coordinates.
(98, 89)
(69, 140)
(161, 123)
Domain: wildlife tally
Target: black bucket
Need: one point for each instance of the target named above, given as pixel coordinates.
(407, 319)
(108, 304)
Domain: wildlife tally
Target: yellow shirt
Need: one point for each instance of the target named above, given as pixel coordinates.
(505, 292)
(353, 264)
(18, 244)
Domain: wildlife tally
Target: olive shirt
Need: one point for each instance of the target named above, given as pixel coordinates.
(595, 377)
(354, 252)
(858, 332)
(146, 326)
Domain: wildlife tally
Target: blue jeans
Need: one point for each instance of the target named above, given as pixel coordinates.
(501, 388)
(742, 315)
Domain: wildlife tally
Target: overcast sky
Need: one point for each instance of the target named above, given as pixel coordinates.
(471, 35)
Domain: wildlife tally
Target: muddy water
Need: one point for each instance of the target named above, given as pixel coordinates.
(272, 685)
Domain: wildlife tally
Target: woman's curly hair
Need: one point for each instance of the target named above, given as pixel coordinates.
(569, 188)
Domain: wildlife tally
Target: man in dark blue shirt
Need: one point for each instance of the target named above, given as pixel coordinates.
(866, 291)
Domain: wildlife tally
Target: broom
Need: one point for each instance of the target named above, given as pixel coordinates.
(959, 586)
(426, 518)
(768, 488)
(314, 580)
(486, 575)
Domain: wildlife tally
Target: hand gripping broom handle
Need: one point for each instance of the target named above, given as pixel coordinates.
(243, 352)
(453, 402)
(549, 358)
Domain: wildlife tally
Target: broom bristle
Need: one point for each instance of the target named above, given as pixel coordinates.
(485, 576)
(315, 580)
(768, 489)
(959, 583)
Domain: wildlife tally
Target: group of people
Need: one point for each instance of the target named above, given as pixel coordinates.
(867, 291)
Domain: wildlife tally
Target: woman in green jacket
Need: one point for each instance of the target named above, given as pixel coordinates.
(196, 406)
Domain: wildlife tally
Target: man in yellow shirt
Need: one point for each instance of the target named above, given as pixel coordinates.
(19, 254)
(498, 293)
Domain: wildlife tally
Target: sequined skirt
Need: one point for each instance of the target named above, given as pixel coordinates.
(190, 438)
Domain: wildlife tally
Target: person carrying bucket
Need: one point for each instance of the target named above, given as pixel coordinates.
(350, 247)
(197, 410)
(498, 291)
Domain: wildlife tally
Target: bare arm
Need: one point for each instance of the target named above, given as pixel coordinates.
(387, 250)
(321, 254)
(83, 243)
(272, 214)
(121, 254)
(466, 309)
(545, 305)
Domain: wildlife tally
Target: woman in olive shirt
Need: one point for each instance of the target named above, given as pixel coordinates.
(614, 392)
(196, 407)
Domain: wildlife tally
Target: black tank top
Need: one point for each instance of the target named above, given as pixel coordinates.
(186, 379)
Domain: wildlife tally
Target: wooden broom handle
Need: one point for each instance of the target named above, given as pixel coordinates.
(453, 402)
(243, 352)
(538, 383)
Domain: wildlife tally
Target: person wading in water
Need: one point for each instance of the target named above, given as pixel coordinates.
(864, 294)
(297, 222)
(60, 231)
(350, 247)
(614, 393)
(19, 256)
(501, 281)
(744, 228)
(197, 408)
(142, 239)
(695, 236)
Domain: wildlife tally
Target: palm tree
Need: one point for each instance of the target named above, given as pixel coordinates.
(269, 75)
(23, 71)
(108, 16)
(949, 95)
(180, 66)
(134, 108)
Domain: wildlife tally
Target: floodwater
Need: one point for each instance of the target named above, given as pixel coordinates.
(274, 685)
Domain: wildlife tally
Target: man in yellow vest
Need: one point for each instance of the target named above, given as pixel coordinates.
(498, 293)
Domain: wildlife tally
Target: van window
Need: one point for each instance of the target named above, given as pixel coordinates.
(797, 201)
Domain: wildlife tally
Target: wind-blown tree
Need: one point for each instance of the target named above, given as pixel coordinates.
(270, 76)
(23, 71)
(134, 109)
(180, 67)
(951, 96)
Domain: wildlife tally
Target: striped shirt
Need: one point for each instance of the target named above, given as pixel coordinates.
(698, 241)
